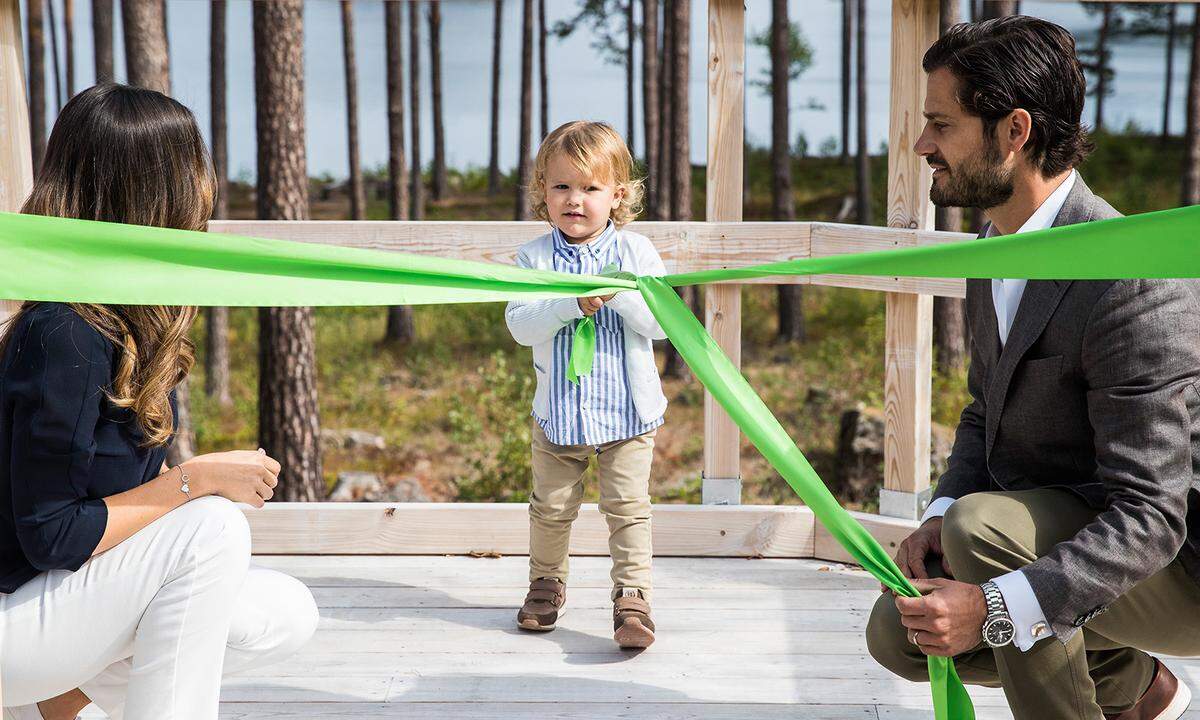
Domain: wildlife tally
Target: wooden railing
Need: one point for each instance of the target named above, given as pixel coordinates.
(692, 246)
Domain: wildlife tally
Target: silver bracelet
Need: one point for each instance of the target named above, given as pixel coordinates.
(184, 487)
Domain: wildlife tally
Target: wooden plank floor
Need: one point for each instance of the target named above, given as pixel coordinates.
(433, 637)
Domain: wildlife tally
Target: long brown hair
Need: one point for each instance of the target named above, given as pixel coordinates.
(130, 155)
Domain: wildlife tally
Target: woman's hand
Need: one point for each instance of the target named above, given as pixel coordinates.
(243, 476)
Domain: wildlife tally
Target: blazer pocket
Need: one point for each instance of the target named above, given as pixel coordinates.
(1043, 367)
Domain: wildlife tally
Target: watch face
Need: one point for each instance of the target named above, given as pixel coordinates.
(998, 631)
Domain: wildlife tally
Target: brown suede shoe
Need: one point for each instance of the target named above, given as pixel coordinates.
(1165, 699)
(632, 626)
(542, 605)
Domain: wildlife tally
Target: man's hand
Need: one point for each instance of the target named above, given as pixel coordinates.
(925, 540)
(947, 620)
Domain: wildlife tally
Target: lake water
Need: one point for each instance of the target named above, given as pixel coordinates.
(582, 85)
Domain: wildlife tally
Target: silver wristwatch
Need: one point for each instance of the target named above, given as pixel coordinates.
(998, 628)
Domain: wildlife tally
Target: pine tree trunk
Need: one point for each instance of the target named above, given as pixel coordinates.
(399, 317)
(847, 29)
(146, 45)
(863, 174)
(543, 73)
(35, 32)
(494, 154)
(417, 187)
(354, 184)
(397, 154)
(992, 9)
(102, 39)
(523, 164)
(58, 83)
(1102, 64)
(146, 65)
(288, 418)
(650, 117)
(216, 355)
(69, 37)
(1170, 79)
(1191, 144)
(662, 175)
(681, 166)
(790, 299)
(183, 445)
(630, 34)
(439, 126)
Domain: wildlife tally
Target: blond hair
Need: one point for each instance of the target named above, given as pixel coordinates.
(135, 156)
(593, 148)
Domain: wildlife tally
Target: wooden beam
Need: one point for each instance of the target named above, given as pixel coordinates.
(16, 155)
(909, 334)
(328, 528)
(889, 531)
(723, 194)
(684, 246)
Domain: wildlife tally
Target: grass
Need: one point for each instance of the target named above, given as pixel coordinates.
(454, 406)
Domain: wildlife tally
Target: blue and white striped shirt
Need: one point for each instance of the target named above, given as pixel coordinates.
(600, 408)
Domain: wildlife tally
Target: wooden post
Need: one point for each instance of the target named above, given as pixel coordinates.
(16, 154)
(723, 183)
(909, 334)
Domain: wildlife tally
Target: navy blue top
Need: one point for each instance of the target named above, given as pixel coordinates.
(63, 445)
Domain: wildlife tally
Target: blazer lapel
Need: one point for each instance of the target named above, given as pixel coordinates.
(1038, 303)
(984, 331)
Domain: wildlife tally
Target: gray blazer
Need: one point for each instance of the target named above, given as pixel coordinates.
(1096, 391)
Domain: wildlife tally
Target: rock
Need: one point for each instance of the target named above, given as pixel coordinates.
(351, 439)
(404, 490)
(859, 473)
(359, 486)
(817, 394)
(356, 485)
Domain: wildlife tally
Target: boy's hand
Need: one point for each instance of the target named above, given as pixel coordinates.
(589, 305)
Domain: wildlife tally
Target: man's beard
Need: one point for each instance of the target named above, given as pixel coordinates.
(983, 183)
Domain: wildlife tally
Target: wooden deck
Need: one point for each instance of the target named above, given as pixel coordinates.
(433, 637)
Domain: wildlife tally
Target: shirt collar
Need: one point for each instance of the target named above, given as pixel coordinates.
(1044, 217)
(595, 248)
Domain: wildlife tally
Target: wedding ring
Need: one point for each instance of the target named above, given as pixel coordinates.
(912, 638)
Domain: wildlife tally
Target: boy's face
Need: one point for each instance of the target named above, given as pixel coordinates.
(578, 204)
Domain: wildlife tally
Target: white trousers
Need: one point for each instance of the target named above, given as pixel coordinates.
(147, 628)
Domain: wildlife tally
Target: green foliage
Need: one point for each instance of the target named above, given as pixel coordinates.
(799, 54)
(612, 43)
(491, 428)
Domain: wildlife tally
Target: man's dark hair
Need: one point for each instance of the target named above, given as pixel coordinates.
(1020, 62)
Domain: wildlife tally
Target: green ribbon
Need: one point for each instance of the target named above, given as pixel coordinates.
(56, 259)
(583, 349)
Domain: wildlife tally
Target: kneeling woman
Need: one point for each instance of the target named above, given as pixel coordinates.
(123, 582)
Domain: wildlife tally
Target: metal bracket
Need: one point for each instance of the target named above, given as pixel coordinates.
(900, 504)
(721, 491)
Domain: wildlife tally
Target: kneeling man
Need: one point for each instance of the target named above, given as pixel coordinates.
(1062, 545)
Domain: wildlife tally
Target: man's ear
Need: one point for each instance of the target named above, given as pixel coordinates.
(1016, 130)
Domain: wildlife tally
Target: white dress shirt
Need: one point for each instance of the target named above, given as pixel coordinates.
(1023, 606)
